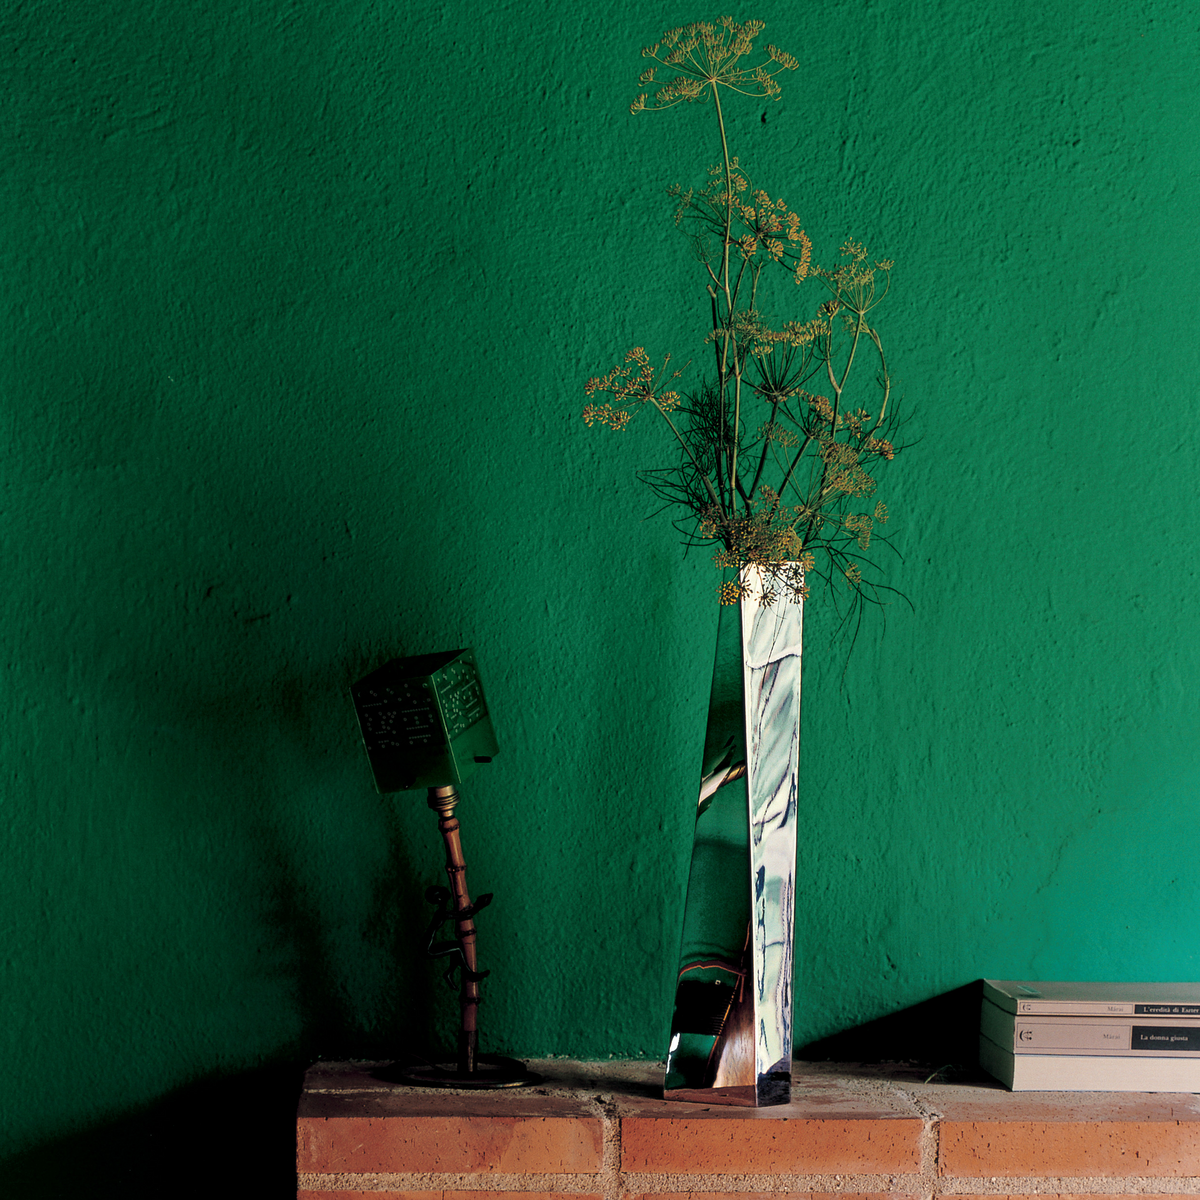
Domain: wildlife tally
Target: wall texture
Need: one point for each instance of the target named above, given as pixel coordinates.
(298, 303)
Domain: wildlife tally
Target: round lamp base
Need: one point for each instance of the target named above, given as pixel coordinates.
(491, 1071)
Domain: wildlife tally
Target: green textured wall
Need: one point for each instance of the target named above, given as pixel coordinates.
(298, 303)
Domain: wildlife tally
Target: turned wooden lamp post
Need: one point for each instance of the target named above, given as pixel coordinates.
(425, 724)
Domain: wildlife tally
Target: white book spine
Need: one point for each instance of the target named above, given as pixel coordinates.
(1095, 999)
(1088, 1073)
(1177, 1037)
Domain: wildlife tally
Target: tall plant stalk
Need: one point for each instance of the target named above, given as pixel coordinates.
(773, 474)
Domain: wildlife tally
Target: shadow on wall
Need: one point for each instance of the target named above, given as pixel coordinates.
(942, 1034)
(348, 907)
(232, 1136)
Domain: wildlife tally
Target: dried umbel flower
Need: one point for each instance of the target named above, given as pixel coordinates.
(632, 383)
(706, 55)
(778, 442)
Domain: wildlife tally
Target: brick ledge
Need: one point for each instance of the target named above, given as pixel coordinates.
(602, 1130)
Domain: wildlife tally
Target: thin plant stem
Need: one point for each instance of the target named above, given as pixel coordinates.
(724, 476)
(731, 335)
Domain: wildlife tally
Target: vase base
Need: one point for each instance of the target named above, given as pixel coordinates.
(770, 1091)
(744, 1095)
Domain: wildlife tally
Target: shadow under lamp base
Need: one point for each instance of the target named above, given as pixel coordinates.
(491, 1071)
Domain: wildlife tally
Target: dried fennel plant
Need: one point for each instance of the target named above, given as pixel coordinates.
(776, 452)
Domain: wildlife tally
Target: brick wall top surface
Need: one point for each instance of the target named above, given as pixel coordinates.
(344, 1089)
(821, 1091)
(854, 1124)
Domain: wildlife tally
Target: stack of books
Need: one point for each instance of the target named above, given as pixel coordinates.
(1104, 1037)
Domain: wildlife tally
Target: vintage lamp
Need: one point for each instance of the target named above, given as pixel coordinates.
(425, 724)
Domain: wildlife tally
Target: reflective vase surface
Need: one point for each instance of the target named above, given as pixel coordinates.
(731, 1032)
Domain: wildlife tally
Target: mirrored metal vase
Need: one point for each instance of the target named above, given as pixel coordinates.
(731, 1032)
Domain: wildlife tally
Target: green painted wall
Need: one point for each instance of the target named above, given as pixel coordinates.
(298, 303)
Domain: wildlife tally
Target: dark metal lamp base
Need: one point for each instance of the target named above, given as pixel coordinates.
(491, 1071)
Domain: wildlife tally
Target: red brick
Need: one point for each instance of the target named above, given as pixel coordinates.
(777, 1196)
(813, 1098)
(1063, 1195)
(449, 1145)
(744, 1145)
(350, 1122)
(1070, 1148)
(449, 1194)
(985, 1103)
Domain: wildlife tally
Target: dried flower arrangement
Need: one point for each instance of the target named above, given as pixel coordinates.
(774, 474)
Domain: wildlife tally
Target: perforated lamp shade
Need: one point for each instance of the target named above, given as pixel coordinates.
(424, 720)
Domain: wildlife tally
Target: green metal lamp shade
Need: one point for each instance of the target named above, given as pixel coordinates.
(424, 720)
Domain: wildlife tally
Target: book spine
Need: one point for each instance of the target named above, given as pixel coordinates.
(1045, 1037)
(1178, 1038)
(1041, 1005)
(1089, 1008)
(1063, 1072)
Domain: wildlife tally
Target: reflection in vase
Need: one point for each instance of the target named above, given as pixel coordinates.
(731, 1033)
